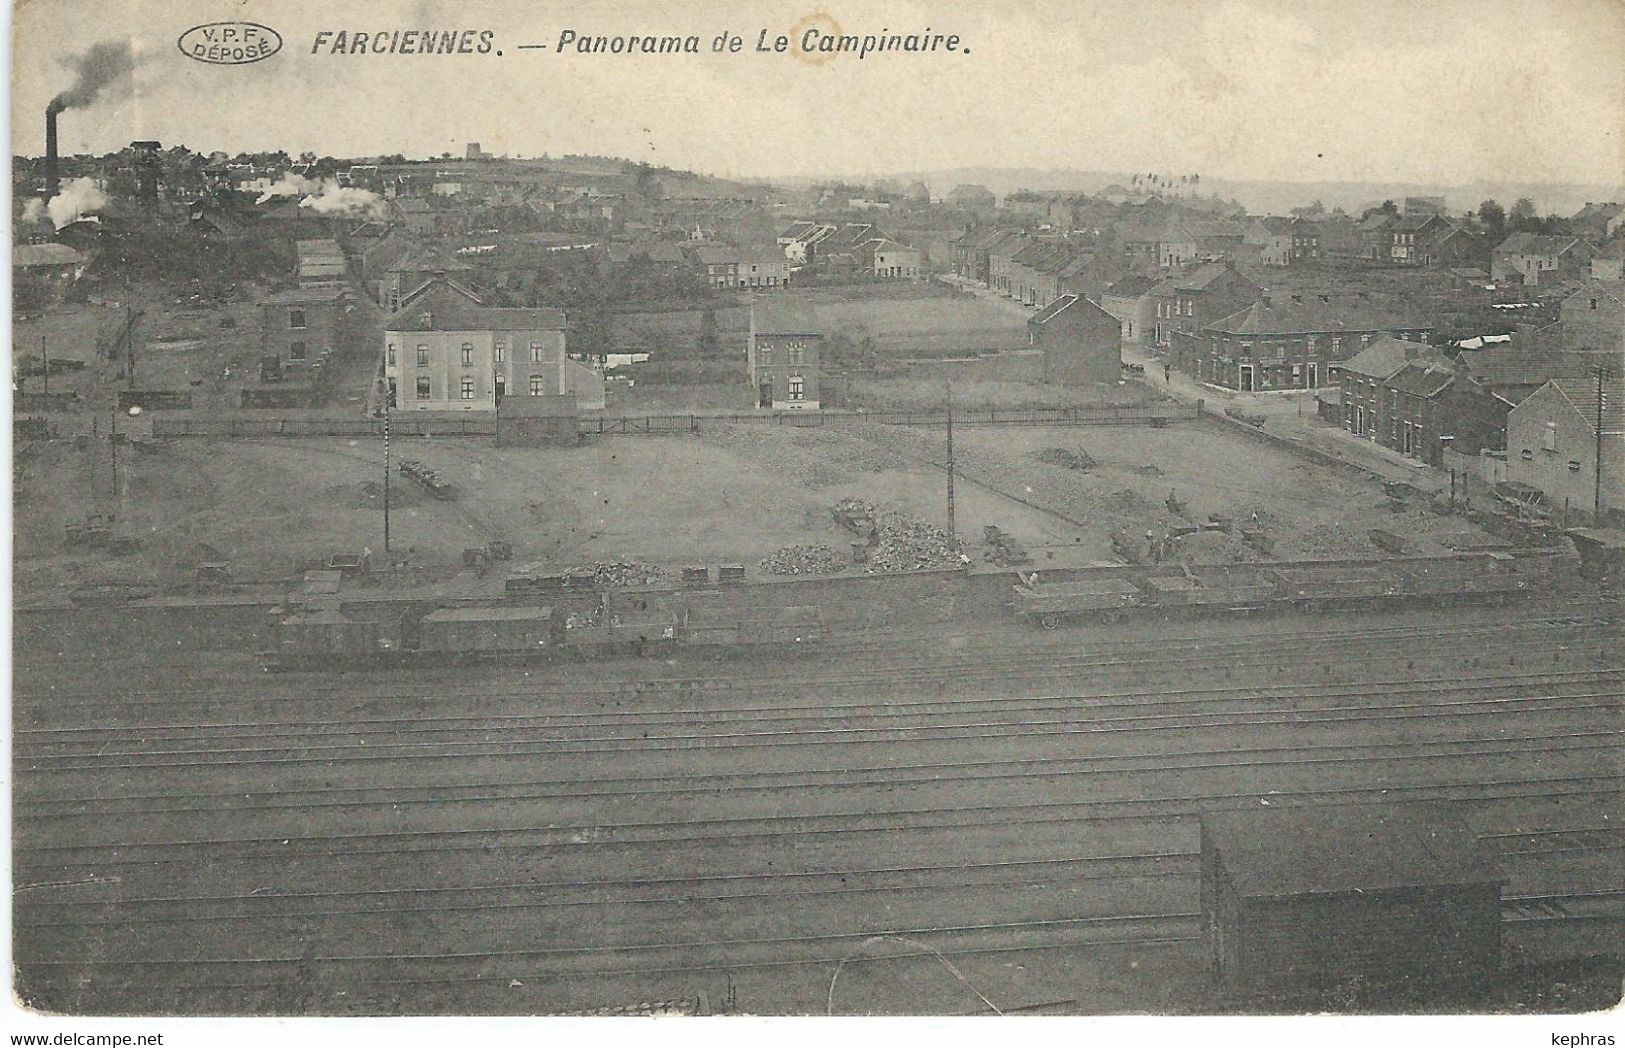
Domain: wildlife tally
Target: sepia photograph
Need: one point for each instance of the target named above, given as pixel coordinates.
(920, 508)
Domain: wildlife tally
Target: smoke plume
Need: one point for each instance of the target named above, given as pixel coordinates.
(345, 201)
(290, 184)
(107, 64)
(79, 197)
(34, 210)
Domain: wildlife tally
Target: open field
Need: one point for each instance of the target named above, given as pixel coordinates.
(197, 837)
(731, 494)
(910, 320)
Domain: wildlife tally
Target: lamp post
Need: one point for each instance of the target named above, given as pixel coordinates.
(1602, 372)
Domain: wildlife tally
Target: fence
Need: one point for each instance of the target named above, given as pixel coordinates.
(407, 424)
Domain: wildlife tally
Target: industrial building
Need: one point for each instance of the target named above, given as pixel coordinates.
(1301, 898)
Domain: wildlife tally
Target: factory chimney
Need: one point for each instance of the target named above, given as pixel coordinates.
(53, 177)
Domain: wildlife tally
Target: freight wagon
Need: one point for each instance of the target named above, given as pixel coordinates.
(612, 625)
(1491, 577)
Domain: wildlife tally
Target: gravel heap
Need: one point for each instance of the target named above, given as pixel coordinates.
(625, 573)
(1070, 459)
(905, 543)
(804, 560)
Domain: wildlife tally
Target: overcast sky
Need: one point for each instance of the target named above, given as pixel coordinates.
(1396, 90)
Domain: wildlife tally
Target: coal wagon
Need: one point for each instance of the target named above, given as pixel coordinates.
(1050, 604)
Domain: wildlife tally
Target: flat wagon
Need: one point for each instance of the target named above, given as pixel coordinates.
(1315, 586)
(1052, 603)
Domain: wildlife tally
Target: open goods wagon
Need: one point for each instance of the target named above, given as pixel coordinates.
(1490, 577)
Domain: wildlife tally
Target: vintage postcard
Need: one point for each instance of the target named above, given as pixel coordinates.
(917, 509)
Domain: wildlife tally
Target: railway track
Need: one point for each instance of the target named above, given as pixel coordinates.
(1165, 929)
(962, 660)
(719, 831)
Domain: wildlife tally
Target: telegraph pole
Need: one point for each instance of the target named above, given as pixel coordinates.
(386, 473)
(953, 532)
(45, 364)
(1601, 372)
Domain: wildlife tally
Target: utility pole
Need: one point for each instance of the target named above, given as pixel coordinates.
(1602, 372)
(45, 365)
(386, 473)
(953, 531)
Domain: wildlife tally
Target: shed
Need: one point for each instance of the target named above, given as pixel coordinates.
(1300, 898)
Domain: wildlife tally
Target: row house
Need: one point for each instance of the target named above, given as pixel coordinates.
(1198, 240)
(1410, 398)
(1284, 241)
(1130, 302)
(1376, 236)
(1296, 344)
(1031, 271)
(1413, 238)
(1535, 259)
(1555, 433)
(445, 350)
(1001, 261)
(1189, 301)
(726, 266)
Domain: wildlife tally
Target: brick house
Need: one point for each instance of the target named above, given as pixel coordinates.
(1284, 241)
(1376, 236)
(1191, 300)
(1409, 398)
(784, 354)
(1280, 345)
(1414, 237)
(445, 350)
(1081, 343)
(1536, 259)
(894, 261)
(1552, 438)
(303, 326)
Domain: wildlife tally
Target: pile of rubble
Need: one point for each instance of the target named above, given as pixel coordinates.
(1070, 459)
(804, 560)
(625, 573)
(901, 542)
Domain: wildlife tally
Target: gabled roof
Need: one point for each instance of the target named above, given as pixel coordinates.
(1312, 316)
(1278, 852)
(1536, 244)
(1422, 379)
(1132, 286)
(1385, 358)
(1200, 278)
(1053, 310)
(716, 254)
(1415, 222)
(427, 260)
(1580, 389)
(1599, 289)
(1612, 249)
(1376, 223)
(441, 305)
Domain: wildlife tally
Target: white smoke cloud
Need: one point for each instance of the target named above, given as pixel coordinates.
(290, 184)
(79, 197)
(34, 210)
(345, 201)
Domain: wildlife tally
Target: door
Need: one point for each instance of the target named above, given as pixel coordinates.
(501, 389)
(1245, 384)
(765, 393)
(1314, 376)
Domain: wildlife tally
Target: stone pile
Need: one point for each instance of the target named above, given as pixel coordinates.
(625, 573)
(804, 560)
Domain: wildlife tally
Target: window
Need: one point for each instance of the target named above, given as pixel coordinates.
(468, 354)
(535, 352)
(1337, 344)
(1190, 307)
(797, 389)
(538, 386)
(389, 355)
(499, 351)
(468, 387)
(423, 355)
(296, 351)
(296, 319)
(423, 388)
(764, 355)
(1280, 351)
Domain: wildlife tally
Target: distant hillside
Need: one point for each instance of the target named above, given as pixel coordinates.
(1265, 196)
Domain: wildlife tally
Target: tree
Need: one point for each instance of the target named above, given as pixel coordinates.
(1492, 216)
(1523, 218)
(1389, 208)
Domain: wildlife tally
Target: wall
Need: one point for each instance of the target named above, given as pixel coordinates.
(319, 337)
(1552, 447)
